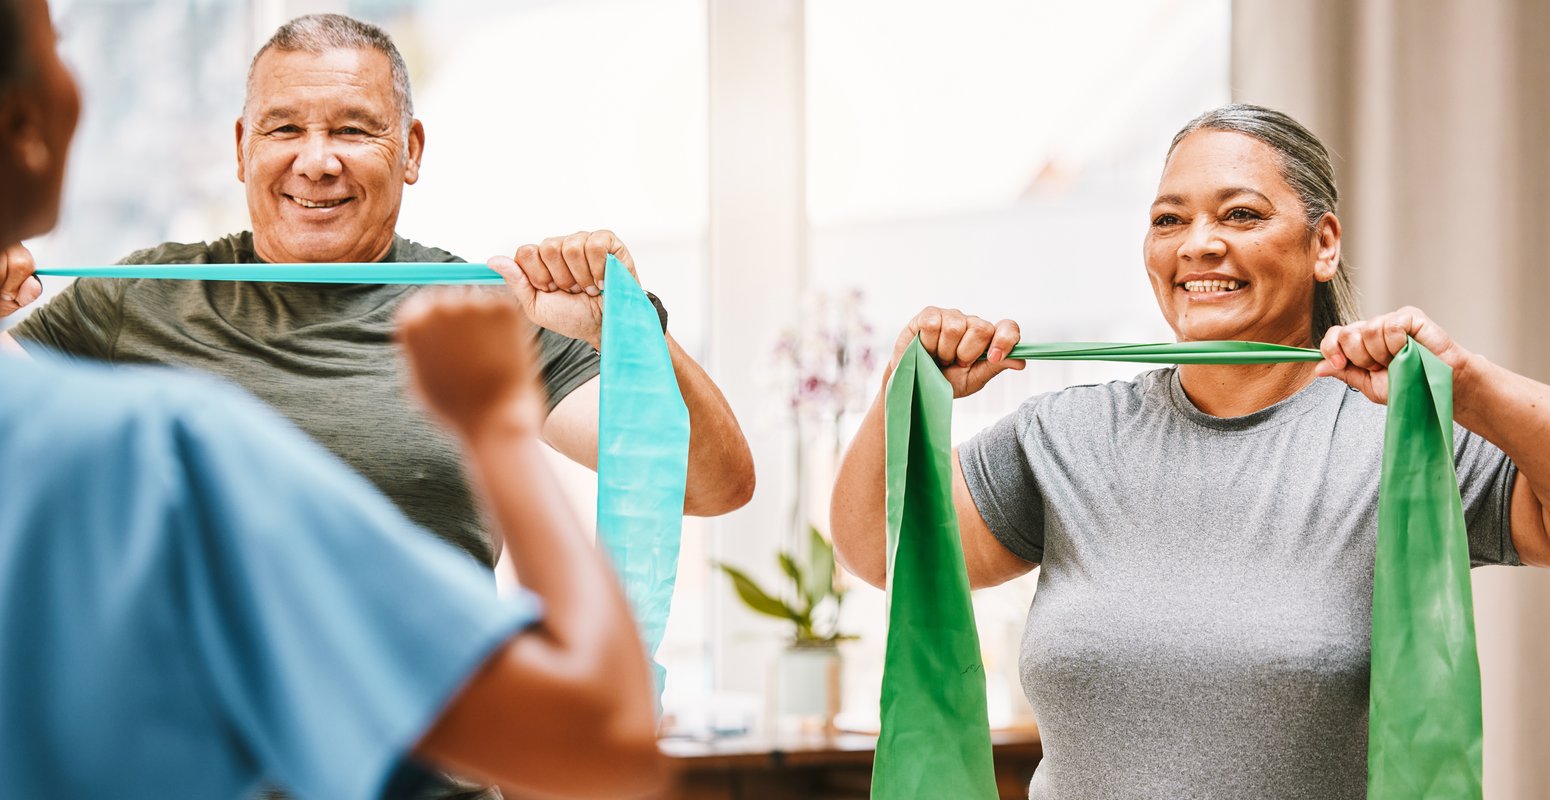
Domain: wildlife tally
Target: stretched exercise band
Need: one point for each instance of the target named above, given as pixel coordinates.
(643, 424)
(1424, 727)
(408, 272)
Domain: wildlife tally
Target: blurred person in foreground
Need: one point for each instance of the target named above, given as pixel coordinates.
(195, 598)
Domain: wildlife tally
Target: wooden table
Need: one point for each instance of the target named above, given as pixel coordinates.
(817, 767)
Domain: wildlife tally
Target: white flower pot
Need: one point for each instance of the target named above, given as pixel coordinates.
(807, 684)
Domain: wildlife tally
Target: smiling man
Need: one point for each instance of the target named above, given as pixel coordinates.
(326, 144)
(324, 153)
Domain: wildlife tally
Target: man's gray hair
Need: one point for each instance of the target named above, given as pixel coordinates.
(320, 33)
(1305, 166)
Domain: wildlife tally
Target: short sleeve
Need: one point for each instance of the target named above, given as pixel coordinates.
(1000, 478)
(83, 320)
(1486, 479)
(564, 364)
(333, 631)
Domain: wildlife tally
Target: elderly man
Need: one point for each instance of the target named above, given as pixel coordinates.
(326, 144)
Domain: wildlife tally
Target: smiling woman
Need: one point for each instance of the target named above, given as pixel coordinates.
(1274, 196)
(1206, 533)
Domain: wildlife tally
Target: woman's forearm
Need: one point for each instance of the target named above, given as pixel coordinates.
(585, 612)
(858, 512)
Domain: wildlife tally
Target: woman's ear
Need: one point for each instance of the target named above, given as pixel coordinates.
(1326, 248)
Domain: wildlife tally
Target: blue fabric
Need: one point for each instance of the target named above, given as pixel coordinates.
(194, 597)
(642, 455)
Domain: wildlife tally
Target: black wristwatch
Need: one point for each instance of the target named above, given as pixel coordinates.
(656, 303)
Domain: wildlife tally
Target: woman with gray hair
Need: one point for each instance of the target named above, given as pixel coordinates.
(1206, 533)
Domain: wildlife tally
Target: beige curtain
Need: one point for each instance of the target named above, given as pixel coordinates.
(1439, 116)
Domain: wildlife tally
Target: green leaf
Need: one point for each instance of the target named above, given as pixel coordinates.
(789, 566)
(756, 599)
(820, 573)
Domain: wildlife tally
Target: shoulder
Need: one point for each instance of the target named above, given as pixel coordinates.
(405, 250)
(236, 248)
(82, 418)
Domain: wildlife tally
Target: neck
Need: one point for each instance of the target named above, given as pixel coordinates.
(264, 252)
(1233, 390)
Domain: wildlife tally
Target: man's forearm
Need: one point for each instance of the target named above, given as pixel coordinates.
(721, 474)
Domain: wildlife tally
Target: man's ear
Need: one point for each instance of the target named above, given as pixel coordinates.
(416, 151)
(241, 165)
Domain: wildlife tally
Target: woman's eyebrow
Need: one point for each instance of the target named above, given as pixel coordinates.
(1234, 191)
(1225, 194)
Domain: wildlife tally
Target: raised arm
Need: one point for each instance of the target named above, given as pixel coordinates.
(565, 707)
(858, 510)
(1505, 408)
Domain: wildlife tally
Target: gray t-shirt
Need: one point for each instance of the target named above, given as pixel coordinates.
(1202, 622)
(320, 354)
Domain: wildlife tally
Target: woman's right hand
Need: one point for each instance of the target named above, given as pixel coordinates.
(18, 286)
(957, 341)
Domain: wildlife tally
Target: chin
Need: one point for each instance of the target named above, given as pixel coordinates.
(1211, 330)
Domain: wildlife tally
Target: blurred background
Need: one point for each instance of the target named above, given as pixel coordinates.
(797, 179)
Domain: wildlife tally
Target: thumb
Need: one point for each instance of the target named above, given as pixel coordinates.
(980, 372)
(517, 280)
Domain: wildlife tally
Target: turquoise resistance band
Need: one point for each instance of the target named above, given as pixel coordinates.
(643, 424)
(402, 273)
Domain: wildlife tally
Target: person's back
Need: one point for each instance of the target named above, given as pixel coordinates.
(195, 597)
(178, 615)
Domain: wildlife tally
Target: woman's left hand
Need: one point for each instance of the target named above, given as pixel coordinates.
(1359, 353)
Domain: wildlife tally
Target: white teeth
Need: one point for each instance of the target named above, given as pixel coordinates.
(1211, 286)
(325, 204)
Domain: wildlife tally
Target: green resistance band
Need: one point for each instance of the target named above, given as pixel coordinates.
(1424, 715)
(394, 273)
(643, 424)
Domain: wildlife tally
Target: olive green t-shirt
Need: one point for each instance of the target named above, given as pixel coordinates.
(321, 354)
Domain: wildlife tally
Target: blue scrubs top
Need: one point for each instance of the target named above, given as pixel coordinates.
(195, 598)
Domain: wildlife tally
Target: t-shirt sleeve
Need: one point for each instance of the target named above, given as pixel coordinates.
(333, 631)
(1486, 478)
(83, 320)
(564, 364)
(999, 474)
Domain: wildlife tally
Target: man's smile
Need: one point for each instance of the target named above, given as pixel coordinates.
(318, 203)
